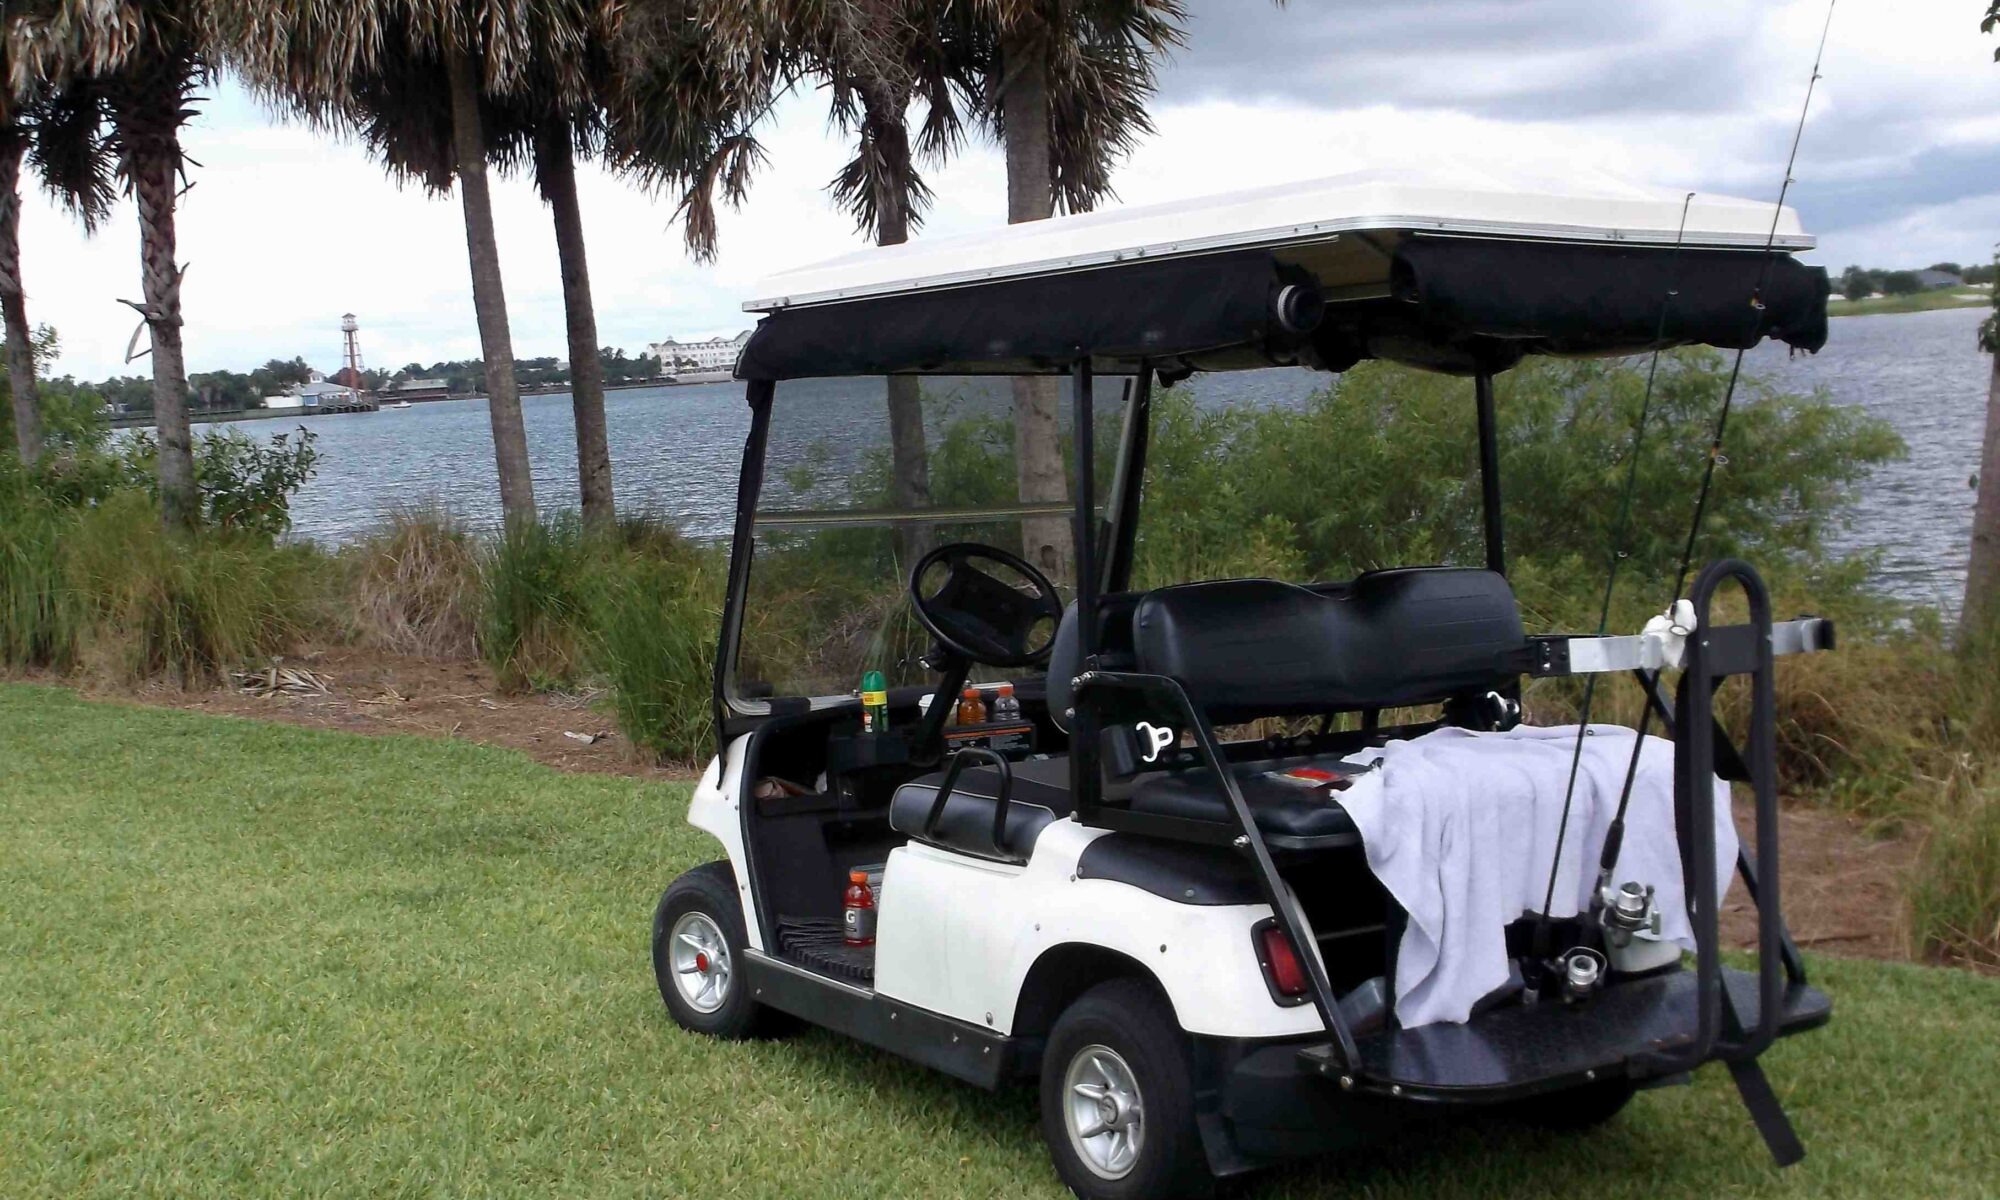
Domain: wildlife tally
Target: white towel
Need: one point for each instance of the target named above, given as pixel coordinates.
(1460, 827)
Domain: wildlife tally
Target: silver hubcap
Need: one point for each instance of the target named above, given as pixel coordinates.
(700, 960)
(1101, 1109)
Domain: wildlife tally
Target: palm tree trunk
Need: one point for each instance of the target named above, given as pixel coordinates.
(1982, 576)
(13, 304)
(909, 453)
(555, 170)
(147, 111)
(489, 297)
(1037, 399)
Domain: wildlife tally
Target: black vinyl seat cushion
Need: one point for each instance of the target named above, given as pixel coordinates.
(1290, 817)
(1039, 795)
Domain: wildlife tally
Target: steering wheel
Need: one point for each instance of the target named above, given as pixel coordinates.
(976, 616)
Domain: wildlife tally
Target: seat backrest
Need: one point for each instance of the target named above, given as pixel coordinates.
(1247, 648)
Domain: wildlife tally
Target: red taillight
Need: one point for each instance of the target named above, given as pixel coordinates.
(1281, 962)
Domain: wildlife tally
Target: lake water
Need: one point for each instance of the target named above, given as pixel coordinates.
(675, 450)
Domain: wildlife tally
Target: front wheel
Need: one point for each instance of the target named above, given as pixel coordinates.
(698, 943)
(1118, 1098)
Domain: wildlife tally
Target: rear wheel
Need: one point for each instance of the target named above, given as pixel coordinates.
(698, 942)
(1118, 1100)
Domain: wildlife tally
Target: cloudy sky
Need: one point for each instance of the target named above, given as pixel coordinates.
(284, 230)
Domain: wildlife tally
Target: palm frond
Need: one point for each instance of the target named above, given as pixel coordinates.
(70, 149)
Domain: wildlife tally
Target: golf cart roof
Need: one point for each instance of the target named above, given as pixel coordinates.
(1458, 273)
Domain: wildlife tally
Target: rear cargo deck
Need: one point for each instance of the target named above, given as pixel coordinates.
(1522, 1049)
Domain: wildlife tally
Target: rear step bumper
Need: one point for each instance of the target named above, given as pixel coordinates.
(1267, 1101)
(1521, 1050)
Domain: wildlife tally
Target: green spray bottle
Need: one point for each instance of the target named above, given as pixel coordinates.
(874, 703)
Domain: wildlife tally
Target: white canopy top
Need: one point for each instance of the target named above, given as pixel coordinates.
(1366, 205)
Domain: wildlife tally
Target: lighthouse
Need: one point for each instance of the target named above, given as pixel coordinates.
(350, 336)
(349, 375)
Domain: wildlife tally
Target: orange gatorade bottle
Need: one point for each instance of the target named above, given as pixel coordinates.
(971, 709)
(859, 911)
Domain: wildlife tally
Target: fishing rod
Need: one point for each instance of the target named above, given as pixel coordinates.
(1620, 538)
(1615, 834)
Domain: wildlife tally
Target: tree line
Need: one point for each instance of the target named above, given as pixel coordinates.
(1859, 283)
(231, 390)
(667, 94)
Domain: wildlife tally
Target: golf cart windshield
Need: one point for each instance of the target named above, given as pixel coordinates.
(837, 535)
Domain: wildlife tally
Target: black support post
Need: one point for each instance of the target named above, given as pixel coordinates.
(742, 546)
(1489, 474)
(1083, 746)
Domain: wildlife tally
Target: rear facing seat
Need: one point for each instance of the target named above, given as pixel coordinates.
(1249, 648)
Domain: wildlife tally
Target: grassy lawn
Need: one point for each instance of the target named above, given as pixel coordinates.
(1920, 302)
(248, 959)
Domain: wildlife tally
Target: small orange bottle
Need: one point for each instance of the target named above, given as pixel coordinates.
(858, 915)
(971, 709)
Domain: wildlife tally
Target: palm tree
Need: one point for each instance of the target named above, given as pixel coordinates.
(1982, 576)
(60, 135)
(143, 59)
(418, 79)
(876, 59)
(1072, 81)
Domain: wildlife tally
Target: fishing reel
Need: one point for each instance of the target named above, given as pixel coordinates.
(1630, 919)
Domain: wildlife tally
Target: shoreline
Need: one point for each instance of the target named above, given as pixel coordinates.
(386, 400)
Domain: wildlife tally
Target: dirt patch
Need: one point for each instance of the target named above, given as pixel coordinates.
(1842, 886)
(371, 692)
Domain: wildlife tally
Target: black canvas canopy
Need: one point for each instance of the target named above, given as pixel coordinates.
(1451, 303)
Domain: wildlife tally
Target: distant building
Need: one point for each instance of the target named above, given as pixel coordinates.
(692, 357)
(320, 391)
(1934, 280)
(420, 389)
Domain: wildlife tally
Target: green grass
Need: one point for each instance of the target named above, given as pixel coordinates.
(253, 960)
(1919, 302)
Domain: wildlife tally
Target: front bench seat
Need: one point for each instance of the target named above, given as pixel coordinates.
(1040, 795)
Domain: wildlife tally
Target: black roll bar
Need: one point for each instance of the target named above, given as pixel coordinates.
(1710, 660)
(1166, 692)
(1001, 802)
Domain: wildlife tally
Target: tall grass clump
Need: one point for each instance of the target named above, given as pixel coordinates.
(416, 586)
(186, 606)
(38, 616)
(1954, 897)
(655, 624)
(535, 580)
(633, 606)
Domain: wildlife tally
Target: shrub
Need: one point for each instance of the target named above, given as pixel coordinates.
(244, 484)
(1380, 469)
(416, 586)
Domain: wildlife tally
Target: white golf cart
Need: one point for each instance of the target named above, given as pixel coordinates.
(1147, 892)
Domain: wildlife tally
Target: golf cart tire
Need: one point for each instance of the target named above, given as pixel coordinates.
(708, 890)
(1573, 1110)
(1131, 1018)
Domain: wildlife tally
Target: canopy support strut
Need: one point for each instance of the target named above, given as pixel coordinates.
(1489, 474)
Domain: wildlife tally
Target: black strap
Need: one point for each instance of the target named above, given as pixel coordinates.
(1767, 1111)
